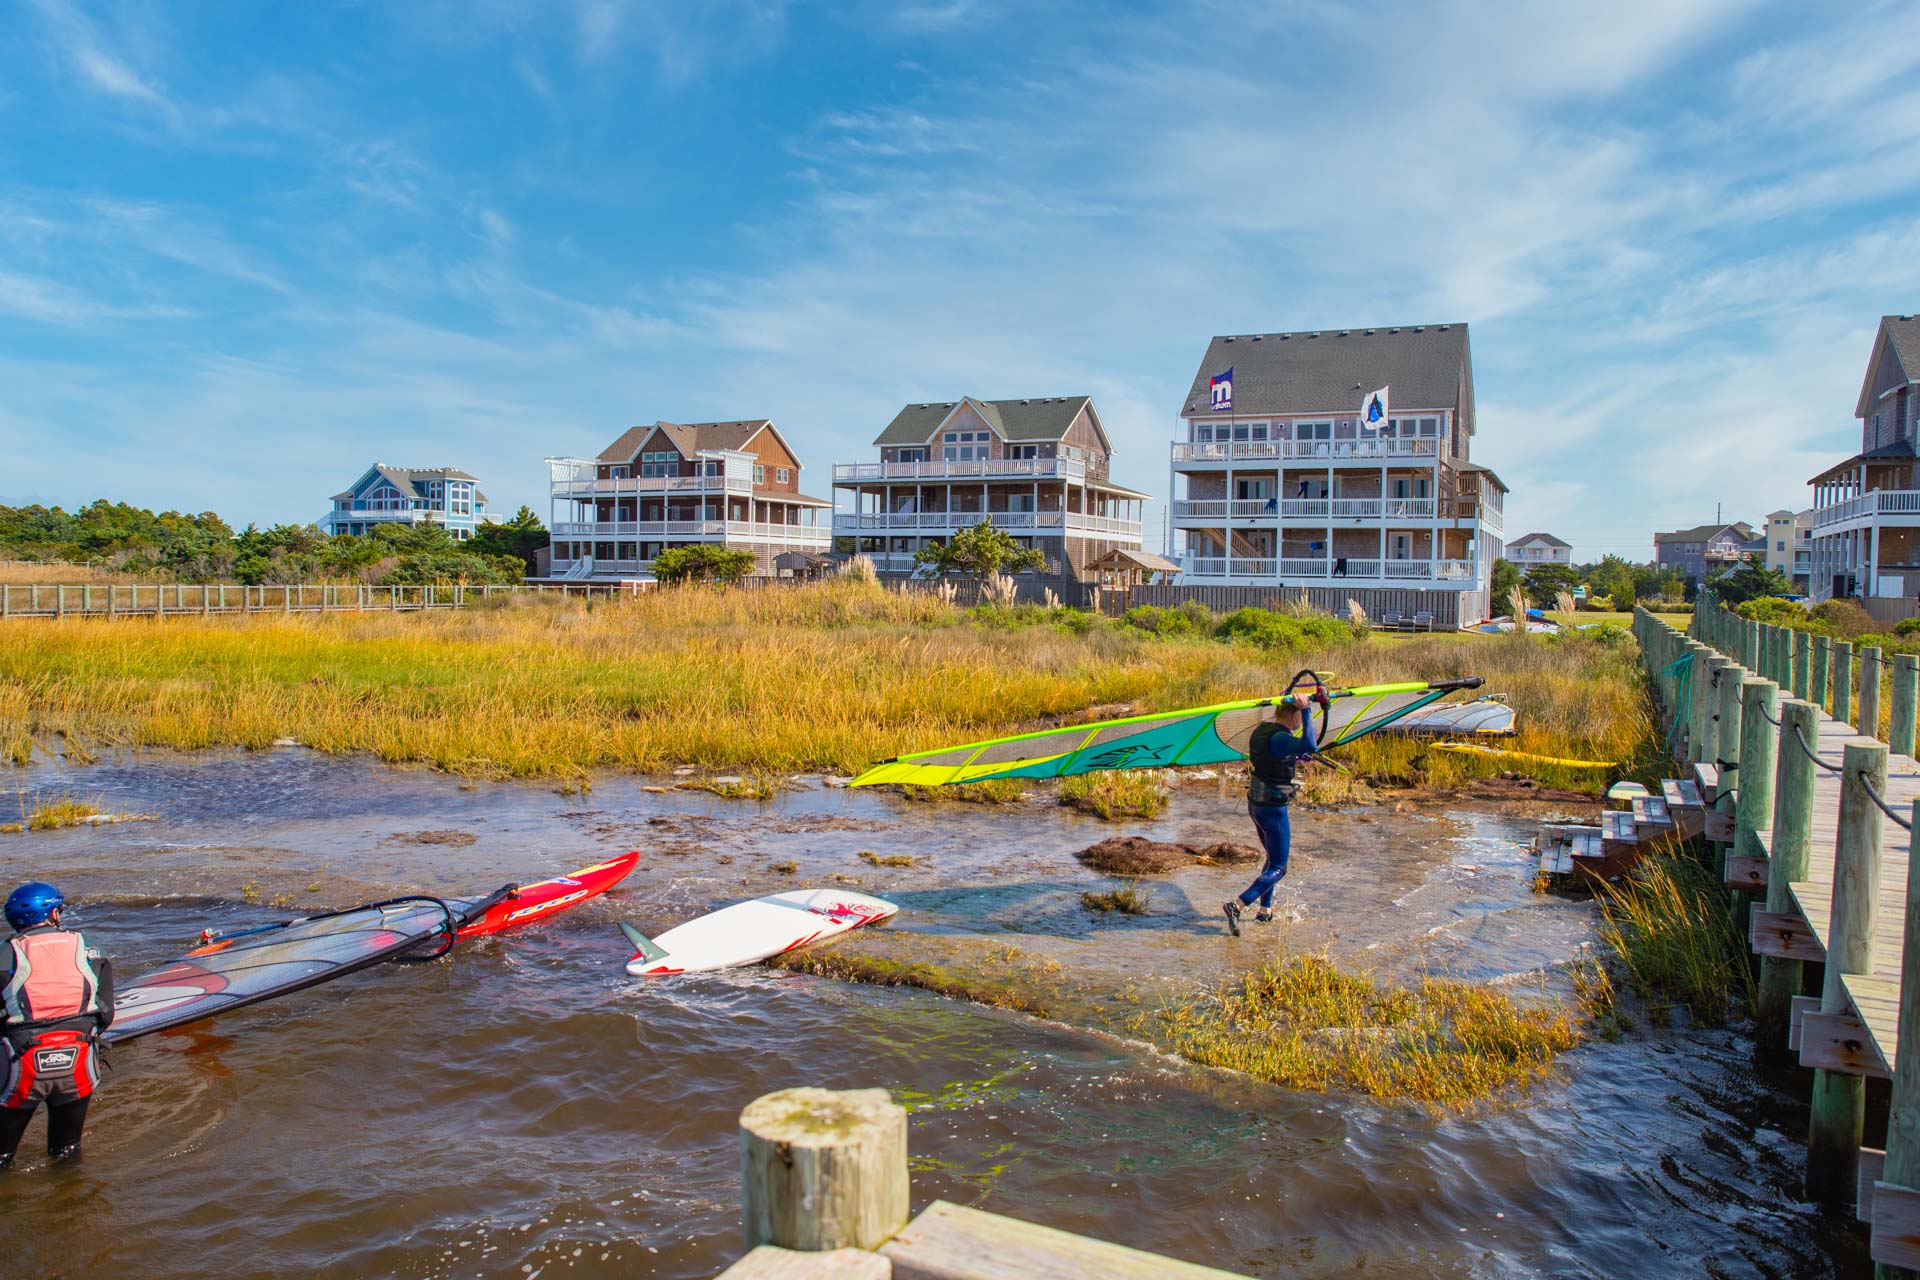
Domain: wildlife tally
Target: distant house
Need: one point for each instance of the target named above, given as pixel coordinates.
(1790, 546)
(675, 484)
(386, 495)
(1539, 548)
(1037, 468)
(1705, 548)
(1866, 509)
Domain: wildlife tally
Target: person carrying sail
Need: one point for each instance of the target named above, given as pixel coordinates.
(1275, 750)
(58, 998)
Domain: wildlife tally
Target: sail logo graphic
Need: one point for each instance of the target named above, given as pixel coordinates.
(1128, 756)
(1220, 389)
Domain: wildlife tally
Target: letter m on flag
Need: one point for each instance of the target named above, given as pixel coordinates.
(1221, 385)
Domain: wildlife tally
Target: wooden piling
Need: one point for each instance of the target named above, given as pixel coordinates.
(1730, 684)
(1906, 696)
(823, 1169)
(1839, 1107)
(1802, 663)
(1867, 725)
(1790, 780)
(1902, 1168)
(1843, 681)
(1700, 722)
(1817, 677)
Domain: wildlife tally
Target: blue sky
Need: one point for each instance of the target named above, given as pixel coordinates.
(247, 249)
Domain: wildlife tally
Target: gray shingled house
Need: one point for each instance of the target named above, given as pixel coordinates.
(1866, 510)
(1298, 478)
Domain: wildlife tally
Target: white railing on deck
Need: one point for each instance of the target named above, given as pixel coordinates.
(1875, 502)
(975, 469)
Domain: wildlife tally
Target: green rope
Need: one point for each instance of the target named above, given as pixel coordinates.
(1681, 669)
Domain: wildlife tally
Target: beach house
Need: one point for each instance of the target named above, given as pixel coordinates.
(385, 495)
(674, 484)
(1037, 468)
(1706, 548)
(1538, 549)
(1866, 509)
(1338, 459)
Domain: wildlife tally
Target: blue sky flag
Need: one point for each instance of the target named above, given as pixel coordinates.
(1221, 387)
(247, 250)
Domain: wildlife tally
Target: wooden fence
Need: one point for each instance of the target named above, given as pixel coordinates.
(1450, 609)
(101, 600)
(1824, 820)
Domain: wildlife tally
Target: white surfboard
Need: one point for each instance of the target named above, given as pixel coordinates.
(749, 932)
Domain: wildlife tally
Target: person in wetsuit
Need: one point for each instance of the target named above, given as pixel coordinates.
(58, 999)
(1275, 751)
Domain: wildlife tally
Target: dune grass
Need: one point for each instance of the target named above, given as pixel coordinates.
(1679, 936)
(1116, 796)
(831, 676)
(1302, 1023)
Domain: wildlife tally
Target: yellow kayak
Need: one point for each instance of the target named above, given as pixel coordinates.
(1480, 749)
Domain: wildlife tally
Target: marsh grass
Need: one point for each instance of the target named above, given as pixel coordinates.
(1128, 900)
(992, 791)
(754, 786)
(1302, 1023)
(873, 859)
(1114, 796)
(831, 676)
(1679, 939)
(996, 992)
(59, 812)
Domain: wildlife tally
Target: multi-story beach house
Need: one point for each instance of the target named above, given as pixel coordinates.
(1539, 548)
(1037, 468)
(1790, 545)
(1705, 548)
(385, 495)
(1338, 458)
(674, 484)
(1866, 510)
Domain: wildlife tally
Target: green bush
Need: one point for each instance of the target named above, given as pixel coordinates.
(1272, 630)
(1911, 627)
(1775, 612)
(1844, 619)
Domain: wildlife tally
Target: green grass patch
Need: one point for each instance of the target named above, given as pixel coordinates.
(875, 971)
(992, 791)
(1116, 794)
(736, 787)
(1679, 937)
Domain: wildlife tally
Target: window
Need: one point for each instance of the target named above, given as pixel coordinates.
(1313, 431)
(759, 474)
(913, 455)
(1203, 433)
(1023, 451)
(783, 475)
(1780, 545)
(621, 472)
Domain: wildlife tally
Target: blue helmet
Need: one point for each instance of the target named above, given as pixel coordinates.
(32, 903)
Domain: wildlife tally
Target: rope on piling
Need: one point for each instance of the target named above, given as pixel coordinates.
(1801, 736)
(1867, 786)
(1772, 720)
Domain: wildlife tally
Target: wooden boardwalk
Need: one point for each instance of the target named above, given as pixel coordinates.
(1875, 998)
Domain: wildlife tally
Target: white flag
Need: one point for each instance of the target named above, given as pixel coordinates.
(1374, 411)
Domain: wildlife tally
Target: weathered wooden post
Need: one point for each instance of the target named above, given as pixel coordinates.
(1817, 677)
(1802, 663)
(1843, 681)
(1839, 1109)
(1755, 642)
(1906, 699)
(1754, 807)
(1731, 729)
(1902, 1168)
(1699, 703)
(1720, 670)
(823, 1170)
(1790, 779)
(1868, 725)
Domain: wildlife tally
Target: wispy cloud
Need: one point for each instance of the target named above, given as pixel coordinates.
(98, 66)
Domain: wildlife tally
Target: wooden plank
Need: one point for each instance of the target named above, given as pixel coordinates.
(1717, 825)
(1877, 1002)
(1707, 777)
(1896, 1226)
(949, 1242)
(1651, 811)
(1800, 1007)
(1839, 1042)
(769, 1262)
(1556, 860)
(1782, 934)
(1748, 875)
(1872, 1162)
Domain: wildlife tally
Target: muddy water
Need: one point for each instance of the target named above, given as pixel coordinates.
(523, 1108)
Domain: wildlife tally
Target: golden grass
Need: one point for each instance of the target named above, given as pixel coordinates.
(873, 859)
(17, 573)
(1133, 793)
(831, 676)
(1679, 938)
(1128, 900)
(59, 812)
(1302, 1023)
(992, 791)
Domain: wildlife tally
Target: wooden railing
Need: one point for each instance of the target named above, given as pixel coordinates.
(103, 600)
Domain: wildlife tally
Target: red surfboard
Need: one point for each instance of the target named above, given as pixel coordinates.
(536, 902)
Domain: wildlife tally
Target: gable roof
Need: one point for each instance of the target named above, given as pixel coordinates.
(691, 438)
(1328, 371)
(1547, 538)
(1028, 420)
(403, 478)
(1707, 532)
(1901, 335)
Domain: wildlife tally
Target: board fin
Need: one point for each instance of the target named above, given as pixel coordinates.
(644, 946)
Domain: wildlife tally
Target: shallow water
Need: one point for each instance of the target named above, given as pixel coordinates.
(522, 1107)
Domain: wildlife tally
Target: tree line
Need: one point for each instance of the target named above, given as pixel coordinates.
(1616, 584)
(176, 546)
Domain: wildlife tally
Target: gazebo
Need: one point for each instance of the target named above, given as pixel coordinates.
(1122, 569)
(802, 564)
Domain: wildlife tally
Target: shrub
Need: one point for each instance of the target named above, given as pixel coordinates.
(1154, 620)
(1844, 620)
(1910, 627)
(1599, 604)
(1774, 612)
(1272, 630)
(702, 562)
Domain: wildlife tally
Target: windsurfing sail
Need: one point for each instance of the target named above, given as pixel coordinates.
(242, 968)
(1197, 735)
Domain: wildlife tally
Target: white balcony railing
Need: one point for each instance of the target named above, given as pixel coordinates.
(1305, 509)
(941, 521)
(1876, 502)
(976, 469)
(749, 530)
(1315, 450)
(595, 488)
(1317, 568)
